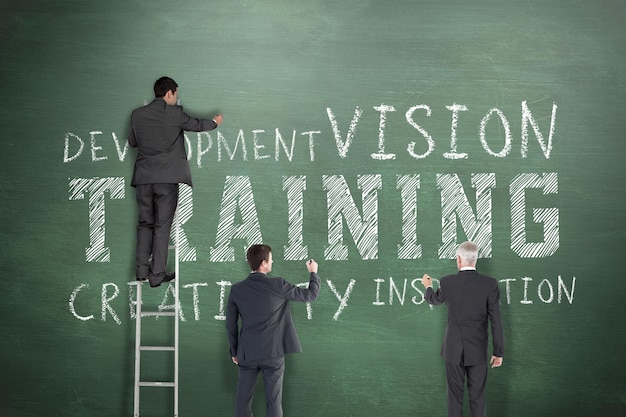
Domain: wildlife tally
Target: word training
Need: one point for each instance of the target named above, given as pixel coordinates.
(342, 210)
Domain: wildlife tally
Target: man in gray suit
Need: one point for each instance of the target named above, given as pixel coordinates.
(267, 330)
(472, 300)
(157, 130)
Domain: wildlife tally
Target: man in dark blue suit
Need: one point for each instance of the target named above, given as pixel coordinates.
(473, 300)
(267, 331)
(157, 130)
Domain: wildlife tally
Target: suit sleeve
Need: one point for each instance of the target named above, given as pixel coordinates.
(232, 326)
(132, 139)
(192, 124)
(294, 293)
(433, 297)
(495, 318)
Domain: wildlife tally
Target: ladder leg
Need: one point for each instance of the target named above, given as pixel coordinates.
(176, 309)
(137, 347)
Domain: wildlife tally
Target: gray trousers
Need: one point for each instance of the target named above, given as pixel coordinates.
(156, 204)
(476, 383)
(272, 370)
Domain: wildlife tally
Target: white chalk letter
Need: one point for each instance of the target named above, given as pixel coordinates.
(105, 302)
(237, 195)
(343, 300)
(431, 143)
(381, 155)
(222, 315)
(507, 134)
(364, 229)
(186, 252)
(66, 157)
(527, 117)
(73, 299)
(96, 187)
(453, 154)
(343, 146)
(295, 250)
(549, 217)
(454, 204)
(408, 186)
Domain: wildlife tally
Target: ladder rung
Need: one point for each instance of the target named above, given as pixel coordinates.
(157, 384)
(159, 348)
(157, 313)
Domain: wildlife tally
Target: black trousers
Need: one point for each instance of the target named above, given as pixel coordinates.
(273, 370)
(476, 383)
(156, 204)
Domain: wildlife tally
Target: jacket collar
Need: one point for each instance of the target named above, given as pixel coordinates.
(257, 275)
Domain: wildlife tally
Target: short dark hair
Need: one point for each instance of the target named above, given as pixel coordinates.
(257, 254)
(163, 85)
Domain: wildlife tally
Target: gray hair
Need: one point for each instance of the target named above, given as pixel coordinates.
(468, 251)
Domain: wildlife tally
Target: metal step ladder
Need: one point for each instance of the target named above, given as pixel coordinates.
(173, 348)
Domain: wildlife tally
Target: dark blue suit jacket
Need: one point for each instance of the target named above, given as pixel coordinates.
(262, 304)
(157, 130)
(472, 300)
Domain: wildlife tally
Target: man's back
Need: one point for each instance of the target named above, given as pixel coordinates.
(472, 300)
(156, 128)
(267, 328)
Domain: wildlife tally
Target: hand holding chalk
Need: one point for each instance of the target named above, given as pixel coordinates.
(427, 281)
(311, 265)
(218, 119)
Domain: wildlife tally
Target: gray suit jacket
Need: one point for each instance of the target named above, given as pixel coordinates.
(157, 130)
(472, 300)
(262, 303)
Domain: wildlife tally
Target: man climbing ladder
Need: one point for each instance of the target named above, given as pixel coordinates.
(157, 131)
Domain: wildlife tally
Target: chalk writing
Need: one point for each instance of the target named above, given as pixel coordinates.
(549, 217)
(223, 149)
(408, 186)
(96, 188)
(295, 248)
(405, 292)
(343, 300)
(238, 197)
(454, 203)
(364, 229)
(466, 204)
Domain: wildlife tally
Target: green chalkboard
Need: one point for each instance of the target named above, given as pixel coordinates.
(371, 136)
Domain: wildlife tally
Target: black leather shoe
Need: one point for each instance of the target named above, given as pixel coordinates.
(142, 278)
(161, 277)
(156, 279)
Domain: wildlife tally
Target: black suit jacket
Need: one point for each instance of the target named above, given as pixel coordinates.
(262, 304)
(157, 130)
(472, 300)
